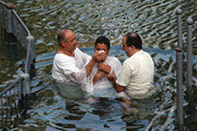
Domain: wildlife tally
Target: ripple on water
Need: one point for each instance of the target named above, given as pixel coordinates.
(154, 20)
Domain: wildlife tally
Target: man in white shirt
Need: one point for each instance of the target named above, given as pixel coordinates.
(103, 87)
(71, 67)
(137, 73)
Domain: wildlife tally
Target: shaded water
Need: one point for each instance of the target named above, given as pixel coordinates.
(154, 20)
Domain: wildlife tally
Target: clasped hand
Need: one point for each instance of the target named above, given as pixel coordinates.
(104, 68)
(99, 56)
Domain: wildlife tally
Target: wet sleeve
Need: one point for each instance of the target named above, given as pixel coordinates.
(70, 71)
(125, 75)
(85, 57)
(117, 67)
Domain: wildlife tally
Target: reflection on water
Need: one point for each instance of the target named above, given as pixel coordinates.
(155, 20)
(9, 62)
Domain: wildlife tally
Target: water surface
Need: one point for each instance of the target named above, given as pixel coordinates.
(154, 20)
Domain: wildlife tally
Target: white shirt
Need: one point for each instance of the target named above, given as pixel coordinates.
(137, 73)
(103, 87)
(70, 75)
(71, 70)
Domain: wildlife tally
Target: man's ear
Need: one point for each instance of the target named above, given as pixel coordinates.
(63, 43)
(107, 52)
(132, 46)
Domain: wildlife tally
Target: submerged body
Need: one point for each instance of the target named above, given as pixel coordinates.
(104, 87)
(70, 75)
(71, 67)
(137, 75)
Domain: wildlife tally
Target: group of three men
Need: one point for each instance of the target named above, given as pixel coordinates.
(133, 79)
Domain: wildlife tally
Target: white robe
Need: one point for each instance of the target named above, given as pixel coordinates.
(70, 75)
(103, 87)
(72, 82)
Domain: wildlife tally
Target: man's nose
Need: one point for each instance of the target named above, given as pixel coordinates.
(76, 42)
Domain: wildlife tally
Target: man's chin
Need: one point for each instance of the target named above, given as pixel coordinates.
(75, 48)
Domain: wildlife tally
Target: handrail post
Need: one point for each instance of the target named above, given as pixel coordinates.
(11, 26)
(26, 77)
(9, 29)
(7, 25)
(179, 72)
(179, 13)
(189, 55)
(30, 53)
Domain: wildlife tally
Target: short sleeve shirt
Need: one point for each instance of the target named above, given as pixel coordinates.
(137, 73)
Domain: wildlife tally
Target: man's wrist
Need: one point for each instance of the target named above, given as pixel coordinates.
(109, 71)
(119, 88)
(94, 59)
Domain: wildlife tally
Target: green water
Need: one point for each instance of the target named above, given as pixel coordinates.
(154, 20)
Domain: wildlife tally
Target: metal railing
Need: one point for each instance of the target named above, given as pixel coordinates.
(13, 102)
(14, 99)
(179, 61)
(14, 28)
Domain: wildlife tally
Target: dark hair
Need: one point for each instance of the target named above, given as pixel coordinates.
(104, 40)
(134, 39)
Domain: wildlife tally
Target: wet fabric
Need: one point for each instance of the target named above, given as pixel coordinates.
(103, 87)
(137, 74)
(70, 76)
(71, 70)
(69, 90)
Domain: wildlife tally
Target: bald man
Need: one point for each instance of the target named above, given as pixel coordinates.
(136, 76)
(71, 66)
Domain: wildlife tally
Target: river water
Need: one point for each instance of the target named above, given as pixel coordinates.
(154, 20)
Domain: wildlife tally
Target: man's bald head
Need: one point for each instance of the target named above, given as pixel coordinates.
(62, 35)
(133, 39)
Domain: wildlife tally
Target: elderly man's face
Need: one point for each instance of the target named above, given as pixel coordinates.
(71, 43)
(124, 45)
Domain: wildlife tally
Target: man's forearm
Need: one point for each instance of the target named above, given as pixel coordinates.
(98, 76)
(119, 88)
(89, 66)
